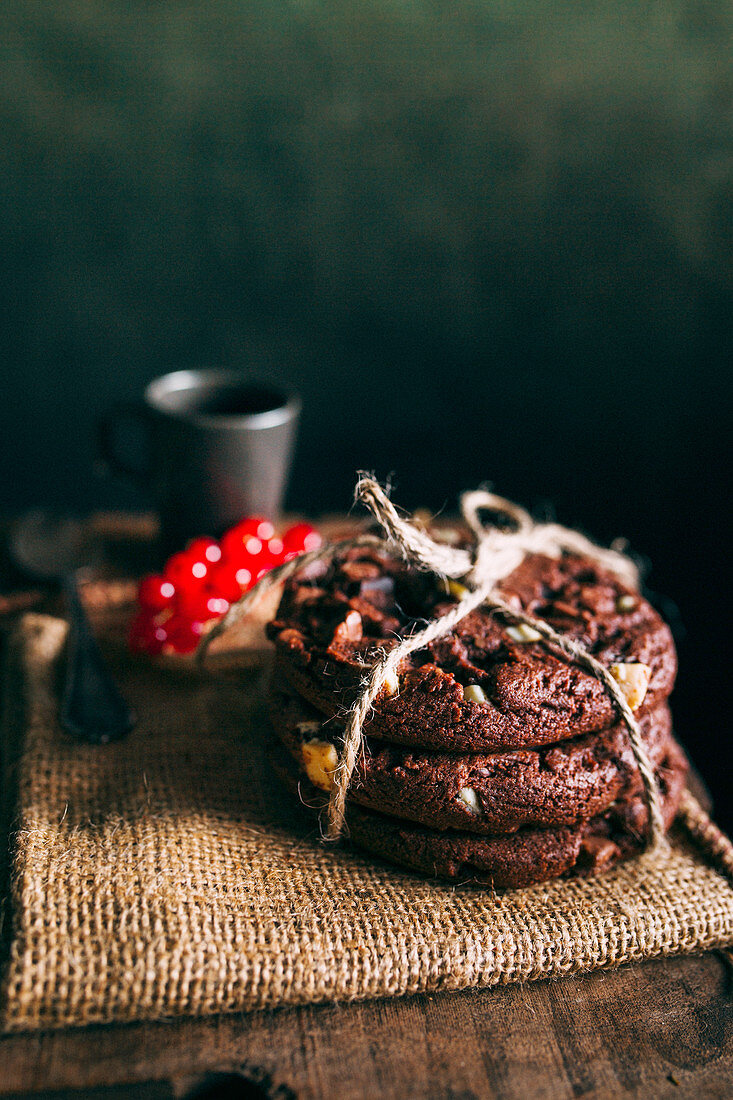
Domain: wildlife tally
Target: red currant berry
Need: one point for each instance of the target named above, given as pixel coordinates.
(178, 568)
(217, 606)
(238, 548)
(192, 602)
(261, 564)
(183, 634)
(256, 525)
(300, 538)
(146, 635)
(276, 550)
(246, 539)
(155, 593)
(230, 581)
(232, 547)
(186, 572)
(203, 604)
(204, 549)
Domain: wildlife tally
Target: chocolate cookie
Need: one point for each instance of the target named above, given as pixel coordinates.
(482, 792)
(520, 859)
(487, 684)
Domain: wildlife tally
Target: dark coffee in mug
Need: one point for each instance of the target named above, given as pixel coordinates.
(230, 400)
(219, 447)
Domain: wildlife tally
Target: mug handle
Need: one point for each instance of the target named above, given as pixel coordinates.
(111, 459)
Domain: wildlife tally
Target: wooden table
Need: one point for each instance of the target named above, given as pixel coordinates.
(659, 1029)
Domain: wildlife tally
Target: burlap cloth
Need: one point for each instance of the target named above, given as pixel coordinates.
(168, 875)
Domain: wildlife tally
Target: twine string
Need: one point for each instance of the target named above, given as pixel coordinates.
(380, 674)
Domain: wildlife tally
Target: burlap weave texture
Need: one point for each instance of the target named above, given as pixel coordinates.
(169, 875)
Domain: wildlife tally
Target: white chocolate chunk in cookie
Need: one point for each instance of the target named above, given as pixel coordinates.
(633, 679)
(470, 799)
(319, 760)
(474, 693)
(350, 630)
(522, 632)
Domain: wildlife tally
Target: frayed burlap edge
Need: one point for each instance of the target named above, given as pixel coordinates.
(165, 876)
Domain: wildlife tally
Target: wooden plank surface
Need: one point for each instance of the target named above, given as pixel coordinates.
(660, 1029)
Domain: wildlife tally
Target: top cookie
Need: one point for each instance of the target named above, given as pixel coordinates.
(485, 685)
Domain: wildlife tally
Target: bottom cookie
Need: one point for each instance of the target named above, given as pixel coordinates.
(523, 858)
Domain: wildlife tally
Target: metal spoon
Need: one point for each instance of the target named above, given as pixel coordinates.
(55, 548)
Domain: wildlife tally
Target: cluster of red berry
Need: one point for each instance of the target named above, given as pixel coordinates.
(199, 583)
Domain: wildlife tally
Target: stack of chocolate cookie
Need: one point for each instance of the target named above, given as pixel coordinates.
(490, 757)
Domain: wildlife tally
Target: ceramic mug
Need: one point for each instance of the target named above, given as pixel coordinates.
(219, 446)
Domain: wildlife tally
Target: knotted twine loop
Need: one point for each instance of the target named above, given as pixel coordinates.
(496, 553)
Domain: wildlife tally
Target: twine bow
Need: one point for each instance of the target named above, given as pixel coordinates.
(495, 554)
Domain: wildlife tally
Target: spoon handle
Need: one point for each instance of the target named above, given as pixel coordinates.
(92, 708)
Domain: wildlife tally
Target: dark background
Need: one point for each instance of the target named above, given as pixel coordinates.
(485, 241)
